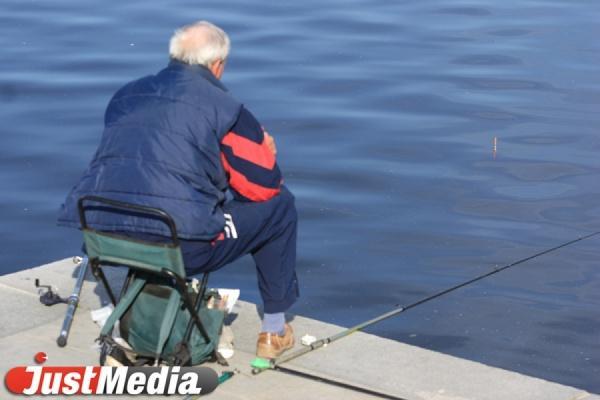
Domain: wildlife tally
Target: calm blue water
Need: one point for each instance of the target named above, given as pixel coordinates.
(385, 115)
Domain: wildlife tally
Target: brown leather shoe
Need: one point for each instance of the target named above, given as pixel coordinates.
(271, 345)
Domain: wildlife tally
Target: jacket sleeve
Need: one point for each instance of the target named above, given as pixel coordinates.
(251, 166)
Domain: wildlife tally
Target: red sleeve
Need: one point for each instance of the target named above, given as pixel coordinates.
(250, 164)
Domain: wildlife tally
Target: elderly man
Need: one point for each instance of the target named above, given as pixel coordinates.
(179, 141)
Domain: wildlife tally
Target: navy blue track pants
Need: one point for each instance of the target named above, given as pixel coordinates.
(267, 231)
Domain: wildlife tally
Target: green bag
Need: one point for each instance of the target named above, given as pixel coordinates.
(142, 323)
(154, 321)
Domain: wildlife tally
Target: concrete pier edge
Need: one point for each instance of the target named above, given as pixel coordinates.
(361, 359)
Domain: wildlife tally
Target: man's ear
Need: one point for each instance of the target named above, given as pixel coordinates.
(217, 68)
(214, 67)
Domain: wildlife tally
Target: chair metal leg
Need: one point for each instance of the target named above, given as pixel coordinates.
(197, 304)
(99, 274)
(182, 287)
(130, 276)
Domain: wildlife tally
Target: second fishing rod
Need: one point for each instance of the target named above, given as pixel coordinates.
(259, 365)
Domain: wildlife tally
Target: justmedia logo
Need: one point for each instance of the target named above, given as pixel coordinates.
(96, 380)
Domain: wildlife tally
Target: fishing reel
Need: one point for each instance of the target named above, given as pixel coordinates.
(47, 296)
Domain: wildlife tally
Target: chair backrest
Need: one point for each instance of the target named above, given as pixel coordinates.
(110, 248)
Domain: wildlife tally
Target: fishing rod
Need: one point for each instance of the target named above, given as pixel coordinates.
(260, 364)
(73, 302)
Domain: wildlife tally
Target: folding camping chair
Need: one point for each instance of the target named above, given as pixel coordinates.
(158, 307)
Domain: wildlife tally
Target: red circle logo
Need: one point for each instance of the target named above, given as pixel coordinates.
(40, 357)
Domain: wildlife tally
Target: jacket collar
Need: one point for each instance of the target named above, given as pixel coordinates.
(197, 70)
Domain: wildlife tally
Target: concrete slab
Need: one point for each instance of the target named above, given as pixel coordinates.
(361, 359)
(61, 275)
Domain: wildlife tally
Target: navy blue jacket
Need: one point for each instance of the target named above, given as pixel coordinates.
(161, 148)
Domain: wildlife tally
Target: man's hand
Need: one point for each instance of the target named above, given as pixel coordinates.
(270, 142)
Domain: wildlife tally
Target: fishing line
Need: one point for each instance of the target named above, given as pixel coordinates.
(259, 365)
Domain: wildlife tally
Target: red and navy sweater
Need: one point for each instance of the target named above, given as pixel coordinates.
(249, 162)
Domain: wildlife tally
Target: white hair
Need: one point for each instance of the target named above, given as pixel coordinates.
(199, 43)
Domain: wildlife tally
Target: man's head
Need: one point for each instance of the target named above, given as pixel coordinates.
(201, 43)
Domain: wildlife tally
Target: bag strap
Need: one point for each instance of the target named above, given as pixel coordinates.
(168, 321)
(124, 303)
